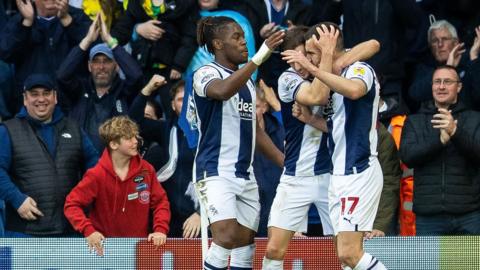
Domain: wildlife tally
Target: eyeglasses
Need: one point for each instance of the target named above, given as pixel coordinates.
(446, 82)
(437, 41)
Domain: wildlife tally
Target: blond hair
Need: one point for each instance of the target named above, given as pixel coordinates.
(117, 128)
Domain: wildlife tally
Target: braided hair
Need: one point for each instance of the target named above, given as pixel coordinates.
(209, 28)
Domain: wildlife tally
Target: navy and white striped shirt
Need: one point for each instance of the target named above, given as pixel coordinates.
(352, 127)
(306, 152)
(226, 128)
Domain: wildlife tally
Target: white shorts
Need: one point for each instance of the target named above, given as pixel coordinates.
(353, 199)
(294, 196)
(231, 198)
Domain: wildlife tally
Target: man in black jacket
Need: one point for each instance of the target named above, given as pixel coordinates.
(442, 144)
(103, 94)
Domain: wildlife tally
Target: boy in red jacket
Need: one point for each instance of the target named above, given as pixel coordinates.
(122, 190)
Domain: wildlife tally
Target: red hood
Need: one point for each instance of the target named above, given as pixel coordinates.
(105, 162)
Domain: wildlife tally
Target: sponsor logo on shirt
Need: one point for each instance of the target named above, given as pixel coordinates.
(245, 109)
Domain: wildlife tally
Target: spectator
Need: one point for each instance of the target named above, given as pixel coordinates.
(163, 38)
(445, 48)
(103, 94)
(176, 173)
(441, 144)
(121, 191)
(38, 38)
(41, 160)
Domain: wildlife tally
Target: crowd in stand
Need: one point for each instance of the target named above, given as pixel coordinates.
(71, 70)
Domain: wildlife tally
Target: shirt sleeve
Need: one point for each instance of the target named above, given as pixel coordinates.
(362, 72)
(288, 85)
(203, 77)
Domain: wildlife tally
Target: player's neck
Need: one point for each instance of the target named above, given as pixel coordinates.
(224, 62)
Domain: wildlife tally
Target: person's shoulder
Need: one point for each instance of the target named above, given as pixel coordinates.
(289, 76)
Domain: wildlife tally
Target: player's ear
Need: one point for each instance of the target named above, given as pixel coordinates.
(217, 44)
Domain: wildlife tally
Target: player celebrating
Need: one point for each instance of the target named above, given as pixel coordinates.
(356, 181)
(306, 177)
(224, 98)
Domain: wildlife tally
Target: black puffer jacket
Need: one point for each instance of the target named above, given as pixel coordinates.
(446, 176)
(177, 45)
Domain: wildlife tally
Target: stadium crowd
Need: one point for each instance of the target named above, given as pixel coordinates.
(70, 70)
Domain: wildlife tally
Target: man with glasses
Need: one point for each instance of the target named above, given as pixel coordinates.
(103, 94)
(446, 49)
(442, 144)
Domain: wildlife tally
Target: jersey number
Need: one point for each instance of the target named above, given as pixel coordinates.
(354, 203)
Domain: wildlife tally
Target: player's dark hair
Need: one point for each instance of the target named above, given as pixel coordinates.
(294, 37)
(313, 32)
(209, 28)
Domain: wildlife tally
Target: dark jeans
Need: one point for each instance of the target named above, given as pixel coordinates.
(448, 224)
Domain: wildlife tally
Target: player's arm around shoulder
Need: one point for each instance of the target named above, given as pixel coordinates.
(358, 80)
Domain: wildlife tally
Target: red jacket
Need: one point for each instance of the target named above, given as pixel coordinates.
(118, 208)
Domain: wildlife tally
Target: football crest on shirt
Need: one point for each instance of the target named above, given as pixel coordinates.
(144, 197)
(359, 71)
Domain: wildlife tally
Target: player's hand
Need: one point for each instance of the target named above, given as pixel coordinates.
(302, 113)
(175, 74)
(150, 30)
(274, 40)
(372, 234)
(95, 243)
(28, 209)
(191, 226)
(328, 39)
(292, 56)
(26, 9)
(155, 82)
(157, 238)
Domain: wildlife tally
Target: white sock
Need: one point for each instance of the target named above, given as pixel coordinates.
(369, 262)
(217, 257)
(242, 257)
(269, 264)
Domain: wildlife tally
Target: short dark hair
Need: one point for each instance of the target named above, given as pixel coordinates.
(294, 37)
(449, 67)
(209, 28)
(176, 87)
(313, 32)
